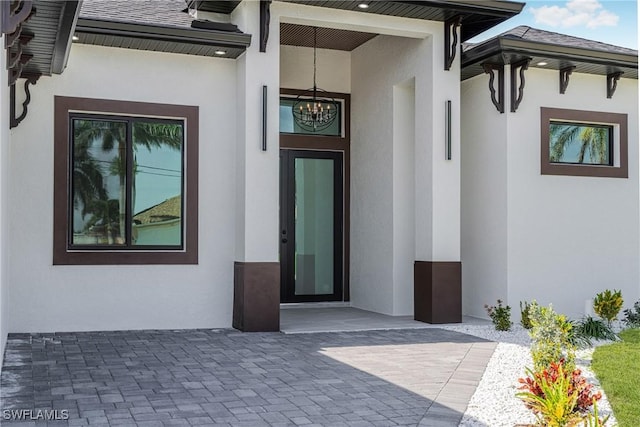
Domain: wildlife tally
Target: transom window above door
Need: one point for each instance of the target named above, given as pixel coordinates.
(290, 126)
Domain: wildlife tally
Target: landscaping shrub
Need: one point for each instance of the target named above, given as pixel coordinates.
(550, 338)
(632, 316)
(558, 396)
(525, 319)
(500, 316)
(607, 305)
(589, 327)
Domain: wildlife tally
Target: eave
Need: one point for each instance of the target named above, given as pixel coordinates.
(507, 50)
(476, 16)
(160, 38)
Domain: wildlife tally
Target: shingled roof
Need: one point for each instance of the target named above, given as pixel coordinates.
(157, 25)
(524, 32)
(555, 49)
(168, 210)
(156, 12)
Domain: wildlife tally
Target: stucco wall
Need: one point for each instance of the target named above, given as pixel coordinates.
(43, 297)
(567, 237)
(570, 237)
(382, 278)
(483, 198)
(333, 69)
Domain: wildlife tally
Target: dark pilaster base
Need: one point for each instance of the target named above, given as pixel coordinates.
(256, 296)
(437, 291)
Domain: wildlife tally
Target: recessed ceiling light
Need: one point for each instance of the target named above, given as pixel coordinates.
(220, 52)
(75, 38)
(363, 5)
(542, 63)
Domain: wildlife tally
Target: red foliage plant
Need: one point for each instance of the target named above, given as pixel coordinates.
(578, 383)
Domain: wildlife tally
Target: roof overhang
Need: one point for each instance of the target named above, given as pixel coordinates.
(192, 41)
(51, 27)
(477, 16)
(507, 50)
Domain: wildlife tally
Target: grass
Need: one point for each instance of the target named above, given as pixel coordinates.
(617, 366)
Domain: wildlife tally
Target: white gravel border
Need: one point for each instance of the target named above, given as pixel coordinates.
(494, 402)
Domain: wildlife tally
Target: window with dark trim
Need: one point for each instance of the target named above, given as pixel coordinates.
(583, 143)
(125, 182)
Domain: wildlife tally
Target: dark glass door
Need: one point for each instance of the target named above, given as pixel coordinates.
(311, 224)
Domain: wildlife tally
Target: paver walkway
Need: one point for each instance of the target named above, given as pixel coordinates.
(224, 377)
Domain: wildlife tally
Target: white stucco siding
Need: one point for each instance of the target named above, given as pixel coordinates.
(570, 237)
(383, 208)
(525, 236)
(43, 297)
(257, 171)
(484, 198)
(333, 69)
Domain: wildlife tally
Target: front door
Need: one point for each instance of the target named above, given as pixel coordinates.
(311, 225)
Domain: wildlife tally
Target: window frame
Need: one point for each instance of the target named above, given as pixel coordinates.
(64, 253)
(618, 167)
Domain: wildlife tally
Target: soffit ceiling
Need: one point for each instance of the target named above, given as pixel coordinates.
(50, 27)
(327, 38)
(477, 16)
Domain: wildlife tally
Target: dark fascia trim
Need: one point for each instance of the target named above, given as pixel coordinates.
(485, 7)
(64, 35)
(163, 33)
(506, 45)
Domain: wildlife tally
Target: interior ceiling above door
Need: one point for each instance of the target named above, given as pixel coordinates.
(328, 38)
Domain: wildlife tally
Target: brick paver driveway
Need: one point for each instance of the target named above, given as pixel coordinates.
(224, 377)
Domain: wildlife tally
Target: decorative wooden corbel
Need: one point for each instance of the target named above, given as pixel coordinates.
(13, 120)
(564, 77)
(16, 71)
(451, 46)
(14, 13)
(490, 69)
(612, 83)
(518, 68)
(265, 17)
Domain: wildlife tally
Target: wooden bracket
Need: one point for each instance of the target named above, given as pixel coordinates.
(451, 40)
(265, 17)
(518, 68)
(491, 69)
(13, 120)
(14, 13)
(612, 83)
(16, 71)
(564, 77)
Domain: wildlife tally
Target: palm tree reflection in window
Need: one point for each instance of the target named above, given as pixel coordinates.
(580, 144)
(103, 151)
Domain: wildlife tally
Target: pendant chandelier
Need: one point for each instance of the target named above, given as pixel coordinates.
(314, 110)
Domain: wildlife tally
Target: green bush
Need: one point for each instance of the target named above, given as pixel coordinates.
(607, 305)
(500, 316)
(525, 319)
(632, 316)
(595, 328)
(550, 338)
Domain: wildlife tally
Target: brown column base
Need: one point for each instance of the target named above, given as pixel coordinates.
(437, 291)
(256, 296)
